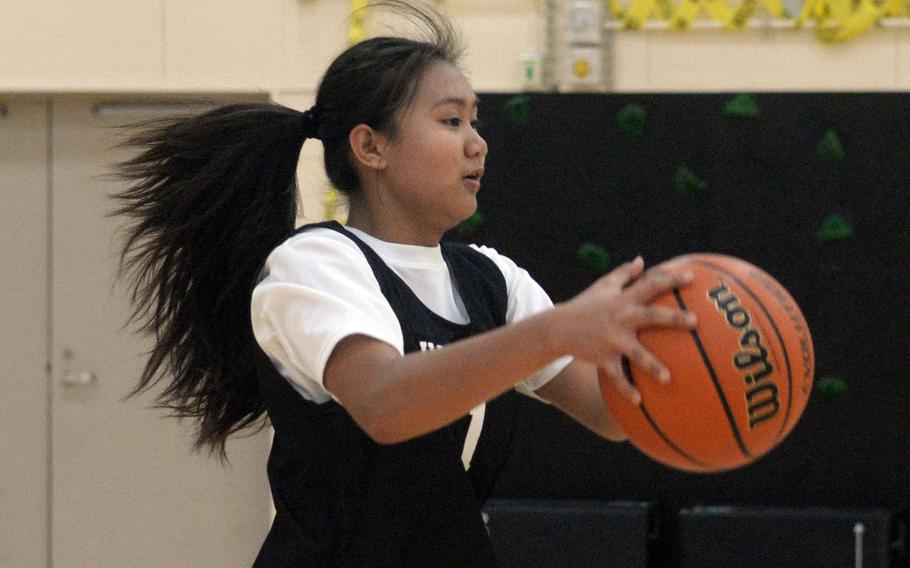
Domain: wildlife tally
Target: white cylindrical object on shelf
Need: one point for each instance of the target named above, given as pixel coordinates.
(584, 22)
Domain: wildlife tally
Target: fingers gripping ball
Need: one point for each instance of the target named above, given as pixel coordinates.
(740, 379)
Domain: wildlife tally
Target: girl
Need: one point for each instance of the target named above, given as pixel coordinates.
(378, 354)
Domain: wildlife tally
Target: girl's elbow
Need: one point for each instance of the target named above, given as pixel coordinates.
(613, 432)
(382, 434)
(379, 426)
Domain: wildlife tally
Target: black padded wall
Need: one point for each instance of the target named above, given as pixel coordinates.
(569, 175)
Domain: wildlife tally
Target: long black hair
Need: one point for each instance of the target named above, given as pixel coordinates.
(211, 195)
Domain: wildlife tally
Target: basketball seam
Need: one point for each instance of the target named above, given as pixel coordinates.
(780, 340)
(663, 436)
(720, 393)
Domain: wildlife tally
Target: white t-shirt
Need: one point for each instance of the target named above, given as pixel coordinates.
(318, 288)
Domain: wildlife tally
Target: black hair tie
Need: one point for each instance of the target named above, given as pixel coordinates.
(309, 125)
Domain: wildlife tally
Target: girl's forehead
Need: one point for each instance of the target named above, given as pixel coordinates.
(443, 84)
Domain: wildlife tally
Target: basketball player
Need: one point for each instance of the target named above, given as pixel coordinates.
(378, 354)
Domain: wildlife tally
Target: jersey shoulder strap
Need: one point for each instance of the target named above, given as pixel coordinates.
(481, 283)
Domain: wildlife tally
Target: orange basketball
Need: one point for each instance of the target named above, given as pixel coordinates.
(739, 381)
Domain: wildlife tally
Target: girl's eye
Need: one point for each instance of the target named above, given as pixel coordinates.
(456, 122)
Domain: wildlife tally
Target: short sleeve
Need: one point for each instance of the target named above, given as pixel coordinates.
(317, 288)
(526, 298)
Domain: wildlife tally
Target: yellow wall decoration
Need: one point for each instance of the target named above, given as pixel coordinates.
(840, 20)
(332, 206)
(834, 20)
(357, 28)
(581, 68)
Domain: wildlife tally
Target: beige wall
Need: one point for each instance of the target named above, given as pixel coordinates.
(282, 47)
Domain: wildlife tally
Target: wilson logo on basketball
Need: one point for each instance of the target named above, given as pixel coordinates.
(752, 357)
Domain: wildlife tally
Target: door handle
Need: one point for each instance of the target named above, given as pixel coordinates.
(79, 378)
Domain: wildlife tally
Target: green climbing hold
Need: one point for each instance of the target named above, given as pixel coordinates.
(518, 109)
(834, 228)
(687, 183)
(472, 223)
(742, 106)
(830, 148)
(831, 387)
(632, 120)
(594, 257)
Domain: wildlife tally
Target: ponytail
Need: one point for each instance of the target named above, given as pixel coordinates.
(211, 196)
(208, 197)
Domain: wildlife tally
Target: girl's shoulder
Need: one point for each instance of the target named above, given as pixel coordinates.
(525, 293)
(316, 232)
(510, 270)
(315, 241)
(317, 253)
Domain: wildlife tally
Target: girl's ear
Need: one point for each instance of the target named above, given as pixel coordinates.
(368, 146)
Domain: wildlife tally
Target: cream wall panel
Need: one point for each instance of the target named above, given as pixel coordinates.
(709, 60)
(222, 43)
(902, 57)
(59, 44)
(630, 60)
(315, 32)
(285, 46)
(497, 33)
(23, 333)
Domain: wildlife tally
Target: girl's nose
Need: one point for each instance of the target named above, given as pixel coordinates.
(476, 145)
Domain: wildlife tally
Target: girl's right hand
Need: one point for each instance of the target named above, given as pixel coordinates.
(600, 324)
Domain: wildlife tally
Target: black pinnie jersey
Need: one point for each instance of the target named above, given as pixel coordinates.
(342, 499)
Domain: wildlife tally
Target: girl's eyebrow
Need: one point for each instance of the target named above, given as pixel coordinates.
(460, 101)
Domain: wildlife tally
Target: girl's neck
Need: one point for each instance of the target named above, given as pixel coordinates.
(391, 230)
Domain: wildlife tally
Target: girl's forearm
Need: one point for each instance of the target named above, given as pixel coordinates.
(404, 397)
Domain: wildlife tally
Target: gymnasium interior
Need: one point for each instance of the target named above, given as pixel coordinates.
(775, 131)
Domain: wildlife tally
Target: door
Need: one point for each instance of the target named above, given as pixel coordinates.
(24, 328)
(125, 488)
